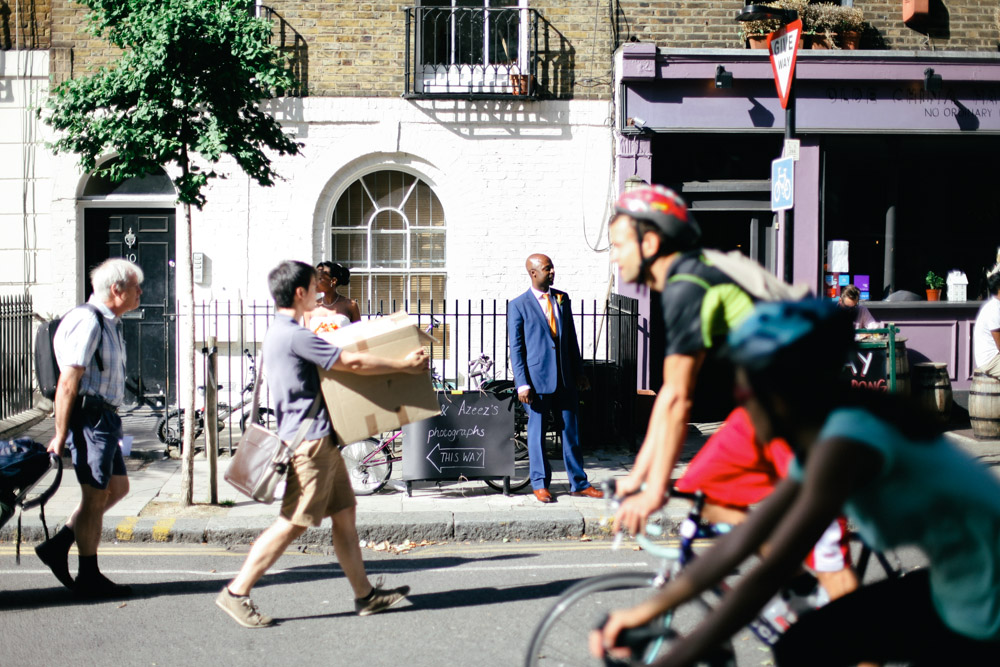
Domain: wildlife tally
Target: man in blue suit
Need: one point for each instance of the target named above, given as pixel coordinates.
(548, 371)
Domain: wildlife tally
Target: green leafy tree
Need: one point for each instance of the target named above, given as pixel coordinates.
(186, 91)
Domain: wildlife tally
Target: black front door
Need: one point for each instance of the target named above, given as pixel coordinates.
(146, 237)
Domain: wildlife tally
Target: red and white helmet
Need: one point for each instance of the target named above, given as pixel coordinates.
(664, 208)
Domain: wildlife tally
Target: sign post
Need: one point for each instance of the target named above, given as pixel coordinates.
(783, 47)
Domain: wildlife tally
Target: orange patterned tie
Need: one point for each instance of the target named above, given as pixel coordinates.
(551, 315)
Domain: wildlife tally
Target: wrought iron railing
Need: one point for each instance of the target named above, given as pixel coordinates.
(16, 367)
(474, 52)
(607, 332)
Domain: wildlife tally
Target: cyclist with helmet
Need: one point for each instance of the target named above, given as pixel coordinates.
(898, 479)
(656, 242)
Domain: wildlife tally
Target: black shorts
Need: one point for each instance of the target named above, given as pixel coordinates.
(93, 442)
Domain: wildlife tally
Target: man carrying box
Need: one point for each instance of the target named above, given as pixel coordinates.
(317, 484)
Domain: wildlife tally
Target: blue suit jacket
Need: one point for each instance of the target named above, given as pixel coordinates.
(532, 349)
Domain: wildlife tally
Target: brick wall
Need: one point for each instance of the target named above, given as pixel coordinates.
(351, 49)
(25, 24)
(76, 51)
(963, 25)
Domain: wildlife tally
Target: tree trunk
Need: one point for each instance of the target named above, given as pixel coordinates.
(186, 356)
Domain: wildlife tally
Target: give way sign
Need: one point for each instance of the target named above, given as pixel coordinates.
(783, 45)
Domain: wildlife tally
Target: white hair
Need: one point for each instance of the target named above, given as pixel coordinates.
(115, 271)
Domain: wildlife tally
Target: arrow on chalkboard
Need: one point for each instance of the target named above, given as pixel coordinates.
(457, 457)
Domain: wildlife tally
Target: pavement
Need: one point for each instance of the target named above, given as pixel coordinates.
(436, 511)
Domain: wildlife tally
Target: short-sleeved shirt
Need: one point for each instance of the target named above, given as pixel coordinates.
(75, 344)
(934, 496)
(700, 305)
(291, 355)
(984, 346)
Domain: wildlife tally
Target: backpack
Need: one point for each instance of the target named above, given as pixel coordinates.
(23, 462)
(753, 278)
(46, 366)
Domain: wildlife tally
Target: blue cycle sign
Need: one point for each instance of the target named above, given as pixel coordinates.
(782, 183)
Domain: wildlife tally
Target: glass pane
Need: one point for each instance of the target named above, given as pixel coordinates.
(434, 32)
(388, 221)
(388, 187)
(426, 289)
(503, 36)
(350, 250)
(427, 250)
(353, 208)
(468, 36)
(389, 294)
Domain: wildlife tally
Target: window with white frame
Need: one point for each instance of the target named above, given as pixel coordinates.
(478, 45)
(389, 230)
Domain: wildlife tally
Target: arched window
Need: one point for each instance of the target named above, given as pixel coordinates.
(389, 230)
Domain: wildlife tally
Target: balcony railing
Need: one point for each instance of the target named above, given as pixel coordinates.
(471, 52)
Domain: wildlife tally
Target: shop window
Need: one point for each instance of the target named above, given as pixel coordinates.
(941, 209)
(389, 229)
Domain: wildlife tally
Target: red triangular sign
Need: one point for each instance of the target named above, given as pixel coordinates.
(783, 45)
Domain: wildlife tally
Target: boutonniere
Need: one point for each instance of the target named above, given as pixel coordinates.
(559, 299)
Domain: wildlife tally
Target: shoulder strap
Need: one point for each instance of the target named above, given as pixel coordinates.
(306, 423)
(689, 278)
(100, 338)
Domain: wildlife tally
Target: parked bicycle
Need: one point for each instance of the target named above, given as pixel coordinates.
(561, 636)
(170, 427)
(369, 461)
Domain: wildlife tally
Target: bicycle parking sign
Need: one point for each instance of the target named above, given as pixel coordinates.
(782, 183)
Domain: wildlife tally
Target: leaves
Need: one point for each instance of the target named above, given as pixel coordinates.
(190, 81)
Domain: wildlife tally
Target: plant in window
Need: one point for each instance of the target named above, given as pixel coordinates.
(934, 285)
(757, 30)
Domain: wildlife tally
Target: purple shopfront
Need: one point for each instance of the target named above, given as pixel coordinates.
(896, 160)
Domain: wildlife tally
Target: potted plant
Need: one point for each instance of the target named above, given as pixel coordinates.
(754, 33)
(830, 26)
(850, 25)
(934, 285)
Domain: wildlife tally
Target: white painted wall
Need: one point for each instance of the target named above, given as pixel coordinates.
(513, 177)
(24, 168)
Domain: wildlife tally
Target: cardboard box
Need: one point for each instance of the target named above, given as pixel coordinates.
(364, 405)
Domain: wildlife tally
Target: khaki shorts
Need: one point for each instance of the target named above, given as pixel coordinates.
(317, 485)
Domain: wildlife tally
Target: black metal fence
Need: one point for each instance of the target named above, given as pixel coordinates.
(607, 331)
(16, 363)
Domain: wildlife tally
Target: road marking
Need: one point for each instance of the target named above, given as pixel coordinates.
(161, 529)
(124, 530)
(371, 567)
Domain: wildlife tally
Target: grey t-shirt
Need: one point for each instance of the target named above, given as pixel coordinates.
(291, 354)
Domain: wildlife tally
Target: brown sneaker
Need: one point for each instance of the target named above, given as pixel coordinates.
(379, 599)
(242, 609)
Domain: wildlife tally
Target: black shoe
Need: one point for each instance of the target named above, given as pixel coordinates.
(56, 560)
(100, 587)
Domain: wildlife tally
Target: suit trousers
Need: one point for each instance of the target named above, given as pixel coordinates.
(567, 403)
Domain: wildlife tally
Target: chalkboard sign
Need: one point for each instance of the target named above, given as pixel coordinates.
(472, 438)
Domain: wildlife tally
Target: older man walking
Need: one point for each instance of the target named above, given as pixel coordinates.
(90, 350)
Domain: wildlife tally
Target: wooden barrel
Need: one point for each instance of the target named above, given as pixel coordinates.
(932, 388)
(902, 368)
(984, 406)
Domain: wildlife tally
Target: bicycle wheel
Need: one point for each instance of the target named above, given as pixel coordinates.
(170, 429)
(266, 417)
(520, 478)
(561, 638)
(367, 478)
